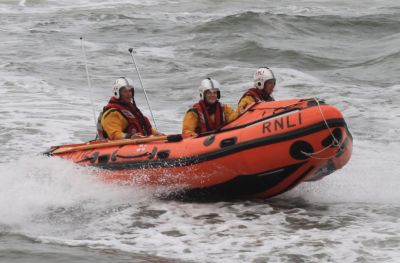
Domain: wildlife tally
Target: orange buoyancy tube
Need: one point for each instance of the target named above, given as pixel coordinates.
(267, 151)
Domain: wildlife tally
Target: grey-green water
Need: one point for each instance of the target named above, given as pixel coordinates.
(52, 211)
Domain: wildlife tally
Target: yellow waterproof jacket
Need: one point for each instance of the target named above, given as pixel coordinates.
(251, 96)
(244, 102)
(191, 122)
(114, 124)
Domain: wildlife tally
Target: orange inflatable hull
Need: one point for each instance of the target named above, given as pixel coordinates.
(268, 150)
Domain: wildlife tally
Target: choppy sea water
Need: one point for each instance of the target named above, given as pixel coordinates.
(54, 211)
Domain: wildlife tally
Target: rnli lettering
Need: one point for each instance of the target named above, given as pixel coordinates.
(284, 122)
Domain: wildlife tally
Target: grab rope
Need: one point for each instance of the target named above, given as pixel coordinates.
(335, 142)
(279, 108)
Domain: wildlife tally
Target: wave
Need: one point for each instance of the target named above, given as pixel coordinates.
(316, 43)
(254, 52)
(302, 24)
(40, 190)
(366, 179)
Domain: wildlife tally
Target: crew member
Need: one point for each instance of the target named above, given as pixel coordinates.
(121, 118)
(264, 84)
(208, 114)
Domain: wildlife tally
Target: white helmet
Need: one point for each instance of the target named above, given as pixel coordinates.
(261, 76)
(209, 84)
(121, 83)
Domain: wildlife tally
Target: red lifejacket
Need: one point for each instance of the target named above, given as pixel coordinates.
(137, 123)
(206, 124)
(257, 95)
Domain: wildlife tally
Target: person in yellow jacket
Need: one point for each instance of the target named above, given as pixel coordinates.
(121, 118)
(208, 114)
(264, 84)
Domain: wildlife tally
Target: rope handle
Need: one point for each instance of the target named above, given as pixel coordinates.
(335, 142)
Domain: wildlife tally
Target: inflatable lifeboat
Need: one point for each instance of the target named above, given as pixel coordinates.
(271, 148)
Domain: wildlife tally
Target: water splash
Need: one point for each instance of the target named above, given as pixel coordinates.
(33, 187)
(371, 176)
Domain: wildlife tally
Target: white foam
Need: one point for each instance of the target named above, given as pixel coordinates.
(241, 232)
(57, 6)
(33, 185)
(377, 119)
(58, 202)
(44, 115)
(371, 176)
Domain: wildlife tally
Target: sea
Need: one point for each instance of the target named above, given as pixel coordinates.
(345, 52)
